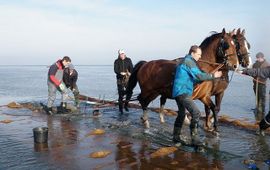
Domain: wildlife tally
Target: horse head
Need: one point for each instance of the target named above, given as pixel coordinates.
(226, 51)
(220, 48)
(242, 48)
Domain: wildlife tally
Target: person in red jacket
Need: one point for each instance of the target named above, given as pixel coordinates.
(55, 82)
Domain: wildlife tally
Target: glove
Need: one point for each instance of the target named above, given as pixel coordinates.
(240, 71)
(123, 73)
(62, 87)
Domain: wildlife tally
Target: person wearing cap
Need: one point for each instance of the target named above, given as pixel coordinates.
(262, 73)
(122, 67)
(259, 87)
(70, 79)
(55, 82)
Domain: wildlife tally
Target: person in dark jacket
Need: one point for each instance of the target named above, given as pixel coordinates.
(187, 75)
(70, 79)
(259, 87)
(122, 67)
(55, 82)
(263, 73)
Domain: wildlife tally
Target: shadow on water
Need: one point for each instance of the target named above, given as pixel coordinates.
(70, 144)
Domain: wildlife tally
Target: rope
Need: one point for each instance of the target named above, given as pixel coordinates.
(252, 78)
(208, 62)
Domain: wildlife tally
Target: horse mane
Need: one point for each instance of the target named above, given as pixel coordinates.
(213, 35)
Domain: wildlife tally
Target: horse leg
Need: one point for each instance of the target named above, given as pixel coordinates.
(162, 104)
(207, 118)
(144, 105)
(209, 104)
(218, 99)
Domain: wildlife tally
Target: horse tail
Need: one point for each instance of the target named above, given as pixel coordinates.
(132, 82)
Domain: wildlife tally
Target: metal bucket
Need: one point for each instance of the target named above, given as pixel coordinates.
(40, 134)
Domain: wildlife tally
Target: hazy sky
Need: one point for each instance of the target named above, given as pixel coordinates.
(91, 31)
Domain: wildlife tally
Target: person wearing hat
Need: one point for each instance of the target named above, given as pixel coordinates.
(259, 87)
(122, 67)
(70, 79)
(262, 73)
(55, 82)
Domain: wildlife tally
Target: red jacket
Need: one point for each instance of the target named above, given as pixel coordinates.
(53, 70)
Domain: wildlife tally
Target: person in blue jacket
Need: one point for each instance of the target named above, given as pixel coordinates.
(187, 75)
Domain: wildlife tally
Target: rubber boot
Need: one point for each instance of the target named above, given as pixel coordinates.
(195, 138)
(126, 106)
(63, 108)
(49, 111)
(176, 135)
(121, 108)
(264, 124)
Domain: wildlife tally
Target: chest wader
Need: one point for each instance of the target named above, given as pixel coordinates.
(52, 89)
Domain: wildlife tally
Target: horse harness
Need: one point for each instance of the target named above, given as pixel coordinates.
(239, 54)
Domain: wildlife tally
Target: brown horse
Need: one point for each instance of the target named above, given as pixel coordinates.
(219, 85)
(155, 77)
(242, 49)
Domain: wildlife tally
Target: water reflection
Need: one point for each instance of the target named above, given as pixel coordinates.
(260, 150)
(125, 156)
(41, 147)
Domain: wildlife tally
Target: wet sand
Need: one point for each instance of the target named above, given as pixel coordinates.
(70, 145)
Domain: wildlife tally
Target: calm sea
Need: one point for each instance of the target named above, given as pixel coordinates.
(29, 83)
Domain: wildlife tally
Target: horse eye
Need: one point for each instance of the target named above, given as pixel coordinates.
(248, 45)
(225, 45)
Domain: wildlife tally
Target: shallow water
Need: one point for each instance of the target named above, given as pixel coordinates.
(68, 147)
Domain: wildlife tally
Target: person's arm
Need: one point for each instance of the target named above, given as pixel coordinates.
(258, 72)
(116, 67)
(130, 66)
(52, 71)
(74, 79)
(197, 73)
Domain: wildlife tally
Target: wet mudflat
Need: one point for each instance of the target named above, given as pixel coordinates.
(128, 145)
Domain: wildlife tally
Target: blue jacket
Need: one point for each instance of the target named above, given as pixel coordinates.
(187, 74)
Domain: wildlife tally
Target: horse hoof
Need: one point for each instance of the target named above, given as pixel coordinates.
(146, 124)
(205, 128)
(215, 133)
(162, 120)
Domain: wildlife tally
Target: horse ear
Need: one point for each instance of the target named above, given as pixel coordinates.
(232, 32)
(223, 32)
(243, 32)
(238, 31)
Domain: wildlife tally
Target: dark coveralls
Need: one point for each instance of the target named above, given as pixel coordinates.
(70, 82)
(259, 87)
(122, 66)
(262, 73)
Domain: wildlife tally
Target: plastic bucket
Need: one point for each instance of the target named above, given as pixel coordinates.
(40, 134)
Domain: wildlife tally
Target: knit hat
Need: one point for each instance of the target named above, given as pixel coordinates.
(259, 54)
(71, 66)
(121, 51)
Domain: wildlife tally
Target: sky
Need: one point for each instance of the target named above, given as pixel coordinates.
(38, 32)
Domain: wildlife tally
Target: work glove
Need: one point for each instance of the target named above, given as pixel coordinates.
(123, 73)
(62, 87)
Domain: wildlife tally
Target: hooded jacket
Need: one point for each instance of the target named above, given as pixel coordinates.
(70, 80)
